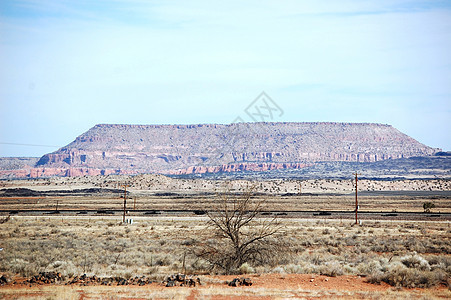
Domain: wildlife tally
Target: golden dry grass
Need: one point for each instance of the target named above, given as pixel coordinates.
(155, 246)
(274, 203)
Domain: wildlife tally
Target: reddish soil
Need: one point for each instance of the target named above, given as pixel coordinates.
(281, 282)
(310, 281)
(271, 281)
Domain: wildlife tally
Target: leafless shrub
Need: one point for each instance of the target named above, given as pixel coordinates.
(238, 235)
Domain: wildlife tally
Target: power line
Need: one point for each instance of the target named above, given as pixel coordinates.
(31, 145)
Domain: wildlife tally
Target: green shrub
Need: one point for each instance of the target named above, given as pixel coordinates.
(246, 269)
(369, 267)
(332, 269)
(410, 278)
(23, 267)
(293, 269)
(415, 261)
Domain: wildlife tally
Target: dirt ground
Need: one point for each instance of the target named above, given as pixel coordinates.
(266, 286)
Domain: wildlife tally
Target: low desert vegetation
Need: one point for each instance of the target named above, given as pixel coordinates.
(401, 254)
(428, 206)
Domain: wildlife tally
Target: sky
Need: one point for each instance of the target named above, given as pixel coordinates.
(66, 66)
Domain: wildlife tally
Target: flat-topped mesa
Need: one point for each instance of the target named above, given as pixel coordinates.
(178, 149)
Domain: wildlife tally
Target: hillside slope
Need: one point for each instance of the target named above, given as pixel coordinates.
(184, 149)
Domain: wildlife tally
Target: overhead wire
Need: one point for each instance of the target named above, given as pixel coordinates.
(31, 145)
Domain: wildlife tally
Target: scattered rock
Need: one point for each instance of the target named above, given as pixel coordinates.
(170, 283)
(240, 282)
(181, 280)
(46, 278)
(84, 280)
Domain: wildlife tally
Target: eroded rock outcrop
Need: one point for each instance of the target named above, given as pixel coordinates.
(183, 149)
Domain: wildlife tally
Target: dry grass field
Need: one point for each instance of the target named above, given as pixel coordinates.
(379, 260)
(323, 256)
(311, 203)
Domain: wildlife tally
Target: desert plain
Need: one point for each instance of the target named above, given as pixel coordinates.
(73, 226)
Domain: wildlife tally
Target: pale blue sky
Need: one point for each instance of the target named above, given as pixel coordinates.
(68, 65)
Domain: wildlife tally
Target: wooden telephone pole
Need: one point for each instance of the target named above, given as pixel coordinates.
(125, 201)
(356, 200)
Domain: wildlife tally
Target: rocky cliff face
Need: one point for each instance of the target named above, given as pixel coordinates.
(183, 149)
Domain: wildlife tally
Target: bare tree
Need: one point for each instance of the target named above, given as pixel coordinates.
(238, 234)
(428, 206)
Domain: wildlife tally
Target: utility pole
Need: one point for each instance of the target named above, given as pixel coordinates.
(125, 201)
(356, 200)
(300, 187)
